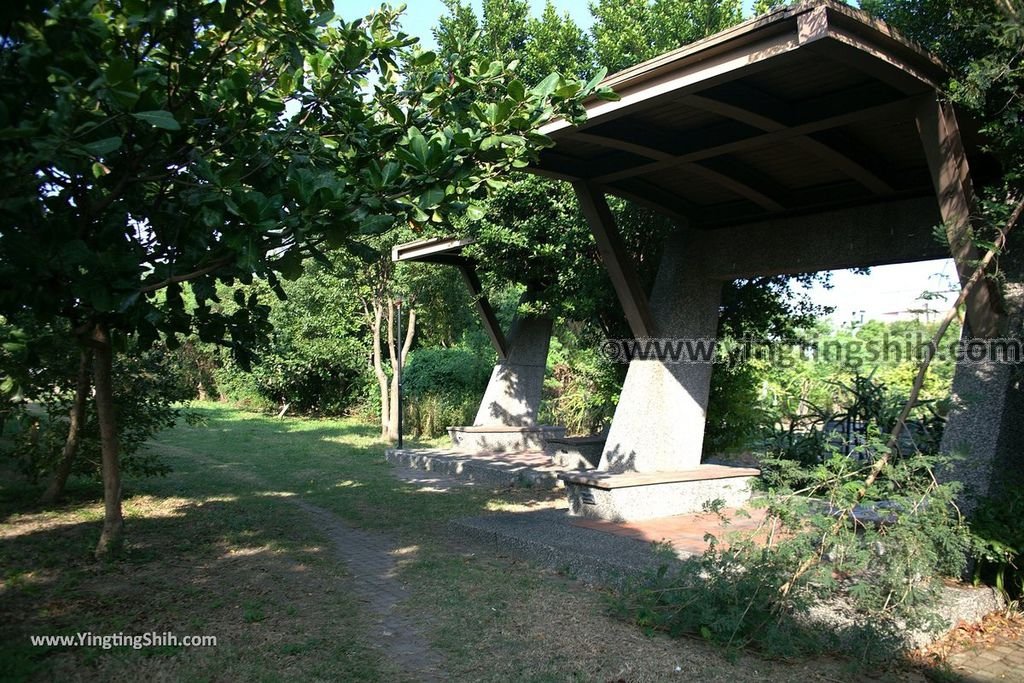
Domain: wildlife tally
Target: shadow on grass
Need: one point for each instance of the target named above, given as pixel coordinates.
(213, 549)
(248, 570)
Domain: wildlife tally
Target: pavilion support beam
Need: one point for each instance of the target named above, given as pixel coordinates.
(856, 237)
(483, 308)
(616, 259)
(513, 394)
(947, 163)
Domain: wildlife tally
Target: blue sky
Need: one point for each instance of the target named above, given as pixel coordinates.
(421, 15)
(886, 290)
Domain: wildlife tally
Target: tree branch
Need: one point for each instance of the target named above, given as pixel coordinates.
(205, 270)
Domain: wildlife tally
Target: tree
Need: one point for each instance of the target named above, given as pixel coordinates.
(60, 436)
(150, 144)
(627, 32)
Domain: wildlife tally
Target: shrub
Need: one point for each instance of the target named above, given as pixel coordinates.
(821, 544)
(582, 389)
(443, 387)
(997, 540)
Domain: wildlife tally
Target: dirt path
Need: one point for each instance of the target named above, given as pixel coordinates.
(372, 561)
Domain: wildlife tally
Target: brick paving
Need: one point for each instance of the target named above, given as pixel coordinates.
(685, 532)
(1001, 661)
(372, 560)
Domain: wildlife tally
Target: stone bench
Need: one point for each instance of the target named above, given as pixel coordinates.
(628, 496)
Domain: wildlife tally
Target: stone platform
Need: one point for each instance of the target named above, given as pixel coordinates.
(500, 438)
(576, 452)
(633, 496)
(492, 468)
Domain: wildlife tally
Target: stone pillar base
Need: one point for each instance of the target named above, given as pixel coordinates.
(504, 439)
(635, 495)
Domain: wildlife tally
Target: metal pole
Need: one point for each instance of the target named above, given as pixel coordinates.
(398, 371)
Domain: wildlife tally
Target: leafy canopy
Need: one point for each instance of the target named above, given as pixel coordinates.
(147, 144)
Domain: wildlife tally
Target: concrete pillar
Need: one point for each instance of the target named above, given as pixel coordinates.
(512, 398)
(986, 421)
(659, 422)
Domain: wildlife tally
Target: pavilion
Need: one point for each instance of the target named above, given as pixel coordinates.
(811, 138)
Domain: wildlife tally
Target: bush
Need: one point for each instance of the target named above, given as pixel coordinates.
(241, 388)
(443, 387)
(313, 359)
(821, 544)
(997, 540)
(866, 405)
(833, 534)
(581, 390)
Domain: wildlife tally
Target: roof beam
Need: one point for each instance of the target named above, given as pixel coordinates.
(448, 251)
(654, 198)
(736, 186)
(625, 146)
(763, 140)
(616, 258)
(425, 249)
(483, 308)
(720, 177)
(947, 162)
(745, 113)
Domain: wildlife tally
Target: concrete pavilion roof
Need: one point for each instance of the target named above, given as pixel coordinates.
(805, 109)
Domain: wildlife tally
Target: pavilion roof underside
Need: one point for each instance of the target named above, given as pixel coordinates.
(808, 109)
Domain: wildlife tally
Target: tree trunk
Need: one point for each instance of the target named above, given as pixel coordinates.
(113, 522)
(410, 331)
(76, 419)
(378, 369)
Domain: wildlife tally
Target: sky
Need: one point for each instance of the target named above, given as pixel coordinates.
(879, 295)
(889, 290)
(422, 15)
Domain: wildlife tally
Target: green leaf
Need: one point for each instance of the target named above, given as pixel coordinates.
(375, 225)
(104, 146)
(418, 146)
(598, 77)
(424, 58)
(516, 90)
(119, 71)
(431, 198)
(475, 212)
(547, 86)
(158, 118)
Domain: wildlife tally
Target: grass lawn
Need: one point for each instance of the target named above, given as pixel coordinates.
(219, 548)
